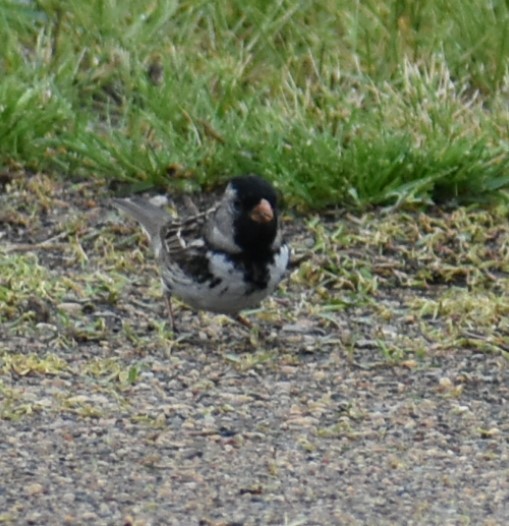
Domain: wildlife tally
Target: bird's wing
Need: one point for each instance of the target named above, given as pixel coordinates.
(180, 236)
(185, 247)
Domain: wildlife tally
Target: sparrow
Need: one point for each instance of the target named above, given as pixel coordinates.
(223, 260)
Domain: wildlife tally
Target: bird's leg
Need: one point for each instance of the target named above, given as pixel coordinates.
(243, 321)
(253, 333)
(167, 297)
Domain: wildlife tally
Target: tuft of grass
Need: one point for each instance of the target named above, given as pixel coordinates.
(23, 364)
(351, 103)
(111, 370)
(24, 281)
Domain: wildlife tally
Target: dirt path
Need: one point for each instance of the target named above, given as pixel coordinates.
(375, 390)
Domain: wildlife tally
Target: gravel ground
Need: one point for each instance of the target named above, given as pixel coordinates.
(373, 391)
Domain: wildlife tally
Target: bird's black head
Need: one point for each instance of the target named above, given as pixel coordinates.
(255, 214)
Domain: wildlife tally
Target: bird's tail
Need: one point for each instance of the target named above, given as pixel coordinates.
(150, 217)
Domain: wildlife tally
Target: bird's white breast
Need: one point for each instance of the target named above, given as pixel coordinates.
(232, 294)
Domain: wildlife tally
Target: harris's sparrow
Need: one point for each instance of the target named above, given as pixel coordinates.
(224, 260)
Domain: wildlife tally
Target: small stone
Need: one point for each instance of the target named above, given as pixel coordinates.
(444, 384)
(490, 433)
(34, 489)
(70, 307)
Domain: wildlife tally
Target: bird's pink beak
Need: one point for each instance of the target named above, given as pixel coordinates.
(262, 212)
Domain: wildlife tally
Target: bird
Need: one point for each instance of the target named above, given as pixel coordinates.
(225, 259)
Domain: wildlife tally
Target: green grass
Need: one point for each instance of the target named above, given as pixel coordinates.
(338, 102)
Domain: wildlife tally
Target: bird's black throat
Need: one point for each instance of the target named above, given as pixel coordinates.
(255, 239)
